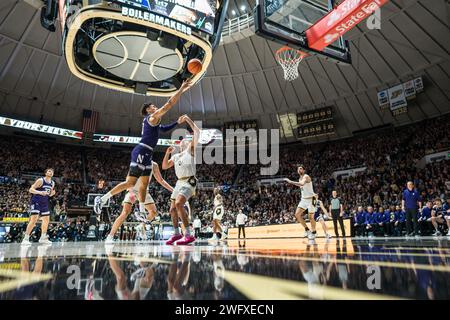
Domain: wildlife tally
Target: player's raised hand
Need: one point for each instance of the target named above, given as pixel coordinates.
(186, 85)
(182, 119)
(170, 149)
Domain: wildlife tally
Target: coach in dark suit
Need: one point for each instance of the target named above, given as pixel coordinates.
(411, 203)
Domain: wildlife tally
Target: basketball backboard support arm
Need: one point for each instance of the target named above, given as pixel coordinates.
(297, 39)
(221, 20)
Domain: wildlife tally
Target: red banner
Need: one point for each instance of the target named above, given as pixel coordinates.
(342, 19)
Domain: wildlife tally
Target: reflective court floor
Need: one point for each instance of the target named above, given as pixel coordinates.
(388, 268)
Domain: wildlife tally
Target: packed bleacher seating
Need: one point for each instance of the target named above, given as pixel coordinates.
(390, 158)
(20, 156)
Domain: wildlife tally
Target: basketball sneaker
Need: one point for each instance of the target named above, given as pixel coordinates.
(185, 240)
(26, 241)
(44, 240)
(311, 235)
(306, 234)
(140, 216)
(174, 238)
(328, 236)
(436, 234)
(109, 240)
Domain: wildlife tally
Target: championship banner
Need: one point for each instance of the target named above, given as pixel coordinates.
(339, 21)
(397, 97)
(418, 84)
(383, 98)
(19, 124)
(409, 89)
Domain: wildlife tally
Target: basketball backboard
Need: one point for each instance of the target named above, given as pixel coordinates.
(286, 21)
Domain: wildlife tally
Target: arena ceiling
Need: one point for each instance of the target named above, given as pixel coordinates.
(243, 80)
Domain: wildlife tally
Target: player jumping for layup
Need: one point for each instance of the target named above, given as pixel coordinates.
(184, 163)
(307, 201)
(42, 189)
(141, 156)
(130, 199)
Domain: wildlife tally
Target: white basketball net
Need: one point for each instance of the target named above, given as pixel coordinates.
(289, 59)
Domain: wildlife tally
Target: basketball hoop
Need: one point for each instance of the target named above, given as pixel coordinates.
(289, 59)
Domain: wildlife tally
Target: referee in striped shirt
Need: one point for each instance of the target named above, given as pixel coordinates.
(337, 212)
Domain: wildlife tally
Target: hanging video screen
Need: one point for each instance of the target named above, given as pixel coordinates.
(199, 14)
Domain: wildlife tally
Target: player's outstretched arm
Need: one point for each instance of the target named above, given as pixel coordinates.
(157, 115)
(159, 177)
(37, 184)
(298, 184)
(196, 131)
(168, 127)
(167, 163)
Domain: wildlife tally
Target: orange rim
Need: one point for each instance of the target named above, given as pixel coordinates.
(300, 53)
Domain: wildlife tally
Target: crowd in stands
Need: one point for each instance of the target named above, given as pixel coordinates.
(220, 174)
(14, 199)
(21, 156)
(104, 164)
(390, 158)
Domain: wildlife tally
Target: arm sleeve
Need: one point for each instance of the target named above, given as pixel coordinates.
(168, 127)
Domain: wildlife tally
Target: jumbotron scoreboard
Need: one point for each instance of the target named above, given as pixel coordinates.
(137, 46)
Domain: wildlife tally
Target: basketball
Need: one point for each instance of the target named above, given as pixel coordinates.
(194, 66)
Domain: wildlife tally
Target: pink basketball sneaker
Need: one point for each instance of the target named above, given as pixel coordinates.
(174, 238)
(186, 240)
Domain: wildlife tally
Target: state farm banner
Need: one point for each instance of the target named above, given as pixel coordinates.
(342, 19)
(397, 97)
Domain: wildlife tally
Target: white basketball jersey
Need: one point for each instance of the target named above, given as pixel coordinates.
(184, 163)
(218, 201)
(307, 190)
